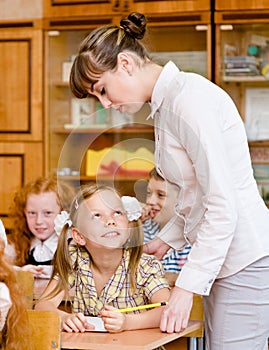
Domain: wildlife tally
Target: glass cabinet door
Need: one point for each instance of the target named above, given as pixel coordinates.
(242, 69)
(242, 63)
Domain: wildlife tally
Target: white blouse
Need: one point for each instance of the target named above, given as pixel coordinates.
(201, 146)
(5, 304)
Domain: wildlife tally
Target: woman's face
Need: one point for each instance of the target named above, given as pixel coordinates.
(121, 89)
(101, 219)
(40, 211)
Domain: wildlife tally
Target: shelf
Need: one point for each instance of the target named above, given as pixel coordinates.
(126, 129)
(100, 178)
(61, 83)
(239, 79)
(260, 143)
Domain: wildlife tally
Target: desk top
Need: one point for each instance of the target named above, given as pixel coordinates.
(40, 285)
(143, 339)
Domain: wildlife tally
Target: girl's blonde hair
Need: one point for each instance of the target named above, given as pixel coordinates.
(21, 236)
(62, 263)
(98, 52)
(16, 332)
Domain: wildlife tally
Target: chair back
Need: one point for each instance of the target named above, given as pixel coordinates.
(25, 280)
(197, 314)
(45, 328)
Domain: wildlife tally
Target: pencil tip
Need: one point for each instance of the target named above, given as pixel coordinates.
(163, 303)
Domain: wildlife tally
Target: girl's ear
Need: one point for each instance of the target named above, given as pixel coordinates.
(77, 237)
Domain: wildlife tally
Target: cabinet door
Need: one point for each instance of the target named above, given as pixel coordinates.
(72, 8)
(160, 6)
(21, 83)
(20, 10)
(242, 61)
(242, 69)
(226, 5)
(20, 162)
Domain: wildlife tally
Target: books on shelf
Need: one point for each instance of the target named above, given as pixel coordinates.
(241, 65)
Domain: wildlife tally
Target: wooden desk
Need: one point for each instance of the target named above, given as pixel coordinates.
(40, 285)
(144, 339)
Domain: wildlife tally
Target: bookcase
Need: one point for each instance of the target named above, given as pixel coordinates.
(242, 69)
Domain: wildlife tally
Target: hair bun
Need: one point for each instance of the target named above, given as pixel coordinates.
(135, 25)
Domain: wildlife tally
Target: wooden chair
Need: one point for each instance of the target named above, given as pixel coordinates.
(45, 329)
(25, 280)
(196, 340)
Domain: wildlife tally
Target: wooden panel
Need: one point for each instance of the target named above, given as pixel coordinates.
(73, 8)
(21, 84)
(15, 74)
(25, 280)
(10, 164)
(242, 17)
(221, 5)
(19, 163)
(45, 330)
(21, 9)
(160, 6)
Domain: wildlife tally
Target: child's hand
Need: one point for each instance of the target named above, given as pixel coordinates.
(146, 212)
(35, 270)
(76, 323)
(114, 322)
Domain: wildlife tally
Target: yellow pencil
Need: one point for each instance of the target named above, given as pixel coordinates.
(142, 307)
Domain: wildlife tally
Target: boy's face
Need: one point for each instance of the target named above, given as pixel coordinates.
(161, 197)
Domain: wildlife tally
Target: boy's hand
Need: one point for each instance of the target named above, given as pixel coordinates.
(76, 323)
(114, 322)
(146, 212)
(156, 247)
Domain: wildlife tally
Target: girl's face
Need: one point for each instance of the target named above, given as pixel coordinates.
(40, 211)
(161, 197)
(101, 219)
(121, 89)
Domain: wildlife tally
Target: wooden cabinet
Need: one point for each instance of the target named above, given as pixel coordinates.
(161, 7)
(185, 38)
(73, 8)
(233, 5)
(21, 129)
(242, 69)
(82, 8)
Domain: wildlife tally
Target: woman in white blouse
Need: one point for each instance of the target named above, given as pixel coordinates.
(201, 147)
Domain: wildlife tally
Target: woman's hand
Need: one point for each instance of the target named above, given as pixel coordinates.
(156, 247)
(76, 323)
(113, 321)
(176, 314)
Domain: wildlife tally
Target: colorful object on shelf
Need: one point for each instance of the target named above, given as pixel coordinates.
(118, 161)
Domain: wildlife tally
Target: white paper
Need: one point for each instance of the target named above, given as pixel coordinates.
(257, 114)
(97, 322)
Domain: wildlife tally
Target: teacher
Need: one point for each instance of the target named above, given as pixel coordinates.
(200, 146)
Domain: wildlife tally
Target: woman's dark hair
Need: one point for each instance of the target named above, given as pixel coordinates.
(98, 52)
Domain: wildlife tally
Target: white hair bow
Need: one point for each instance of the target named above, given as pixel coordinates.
(132, 207)
(61, 220)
